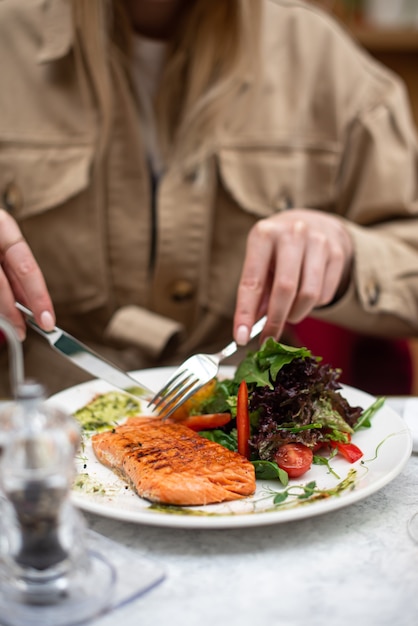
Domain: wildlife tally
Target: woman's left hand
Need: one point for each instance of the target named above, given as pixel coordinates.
(295, 261)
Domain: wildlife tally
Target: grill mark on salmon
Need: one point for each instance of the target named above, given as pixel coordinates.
(171, 464)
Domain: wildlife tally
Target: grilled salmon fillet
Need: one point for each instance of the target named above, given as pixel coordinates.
(171, 464)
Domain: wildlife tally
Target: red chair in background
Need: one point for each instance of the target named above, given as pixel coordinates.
(378, 365)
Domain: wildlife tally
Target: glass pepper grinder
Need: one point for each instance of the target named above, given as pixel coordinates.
(47, 574)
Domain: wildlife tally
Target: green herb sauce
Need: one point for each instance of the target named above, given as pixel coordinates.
(106, 411)
(84, 482)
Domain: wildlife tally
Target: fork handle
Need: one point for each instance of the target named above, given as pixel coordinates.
(232, 347)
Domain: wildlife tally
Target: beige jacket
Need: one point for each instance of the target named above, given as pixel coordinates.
(329, 130)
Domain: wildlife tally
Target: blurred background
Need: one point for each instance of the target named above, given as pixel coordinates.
(387, 13)
(388, 29)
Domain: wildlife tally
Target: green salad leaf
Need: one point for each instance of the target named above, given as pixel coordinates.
(261, 367)
(364, 421)
(269, 470)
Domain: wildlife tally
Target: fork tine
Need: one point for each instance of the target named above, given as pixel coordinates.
(175, 397)
(172, 394)
(169, 388)
(181, 398)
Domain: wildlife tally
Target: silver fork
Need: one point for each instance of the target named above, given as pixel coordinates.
(193, 374)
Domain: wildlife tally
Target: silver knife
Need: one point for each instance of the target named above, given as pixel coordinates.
(88, 360)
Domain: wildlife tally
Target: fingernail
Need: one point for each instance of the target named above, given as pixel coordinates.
(242, 336)
(21, 333)
(47, 321)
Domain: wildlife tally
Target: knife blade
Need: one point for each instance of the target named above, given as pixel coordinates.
(82, 356)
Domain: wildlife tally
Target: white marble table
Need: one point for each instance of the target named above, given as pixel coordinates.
(355, 566)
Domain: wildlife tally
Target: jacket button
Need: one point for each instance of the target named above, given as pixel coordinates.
(181, 290)
(192, 176)
(372, 293)
(12, 198)
(283, 202)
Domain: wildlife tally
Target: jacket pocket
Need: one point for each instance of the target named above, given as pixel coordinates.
(269, 179)
(33, 180)
(48, 190)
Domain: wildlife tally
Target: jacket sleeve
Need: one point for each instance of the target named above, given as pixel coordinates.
(378, 199)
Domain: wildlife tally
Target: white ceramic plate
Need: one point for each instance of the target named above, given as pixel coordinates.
(386, 446)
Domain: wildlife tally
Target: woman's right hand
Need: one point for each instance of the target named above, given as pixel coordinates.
(21, 279)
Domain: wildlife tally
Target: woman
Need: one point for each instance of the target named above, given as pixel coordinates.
(167, 166)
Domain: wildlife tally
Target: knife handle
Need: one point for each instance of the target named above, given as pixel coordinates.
(30, 320)
(26, 312)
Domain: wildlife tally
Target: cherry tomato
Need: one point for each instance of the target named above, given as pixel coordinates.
(204, 421)
(294, 458)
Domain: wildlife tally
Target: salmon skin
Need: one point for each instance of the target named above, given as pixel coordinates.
(171, 464)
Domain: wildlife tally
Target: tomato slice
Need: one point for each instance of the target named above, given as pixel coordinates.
(243, 420)
(348, 450)
(204, 421)
(294, 458)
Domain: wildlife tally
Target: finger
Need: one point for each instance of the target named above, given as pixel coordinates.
(22, 274)
(313, 277)
(9, 233)
(332, 279)
(254, 279)
(290, 252)
(28, 283)
(7, 306)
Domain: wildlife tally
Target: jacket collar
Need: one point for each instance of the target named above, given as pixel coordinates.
(57, 30)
